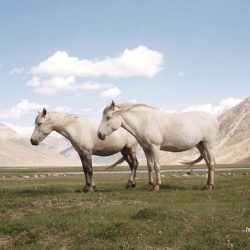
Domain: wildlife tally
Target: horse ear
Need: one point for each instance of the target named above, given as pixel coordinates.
(112, 106)
(44, 112)
(38, 112)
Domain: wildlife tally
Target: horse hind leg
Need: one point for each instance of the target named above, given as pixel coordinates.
(134, 165)
(130, 157)
(208, 155)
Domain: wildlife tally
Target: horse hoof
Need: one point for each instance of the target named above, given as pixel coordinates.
(130, 185)
(92, 189)
(208, 187)
(156, 188)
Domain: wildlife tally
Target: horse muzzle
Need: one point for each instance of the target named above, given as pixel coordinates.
(101, 136)
(34, 142)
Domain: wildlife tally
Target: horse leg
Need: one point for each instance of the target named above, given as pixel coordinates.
(85, 188)
(135, 165)
(207, 153)
(157, 168)
(150, 164)
(130, 156)
(126, 153)
(88, 171)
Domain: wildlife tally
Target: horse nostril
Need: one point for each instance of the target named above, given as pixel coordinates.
(101, 136)
(33, 142)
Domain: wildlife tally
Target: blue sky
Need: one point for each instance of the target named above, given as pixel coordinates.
(174, 55)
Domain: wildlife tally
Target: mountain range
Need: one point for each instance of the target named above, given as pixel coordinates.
(232, 145)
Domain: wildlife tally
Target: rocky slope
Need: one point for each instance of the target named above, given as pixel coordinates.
(233, 140)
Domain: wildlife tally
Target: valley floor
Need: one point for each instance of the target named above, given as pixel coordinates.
(53, 213)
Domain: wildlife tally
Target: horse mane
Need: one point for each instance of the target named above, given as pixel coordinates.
(128, 106)
(61, 118)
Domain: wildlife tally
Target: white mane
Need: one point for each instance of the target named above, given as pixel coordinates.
(59, 118)
(123, 107)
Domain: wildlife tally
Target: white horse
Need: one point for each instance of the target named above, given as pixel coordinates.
(156, 130)
(82, 133)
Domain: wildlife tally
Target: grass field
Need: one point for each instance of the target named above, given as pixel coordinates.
(52, 213)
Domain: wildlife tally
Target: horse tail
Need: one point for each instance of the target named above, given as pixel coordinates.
(191, 163)
(111, 167)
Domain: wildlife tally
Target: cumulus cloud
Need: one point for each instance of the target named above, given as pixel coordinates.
(85, 110)
(16, 71)
(21, 108)
(133, 101)
(62, 109)
(223, 105)
(60, 71)
(139, 61)
(111, 93)
(56, 84)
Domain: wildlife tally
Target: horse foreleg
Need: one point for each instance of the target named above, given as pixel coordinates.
(157, 168)
(85, 188)
(150, 164)
(88, 172)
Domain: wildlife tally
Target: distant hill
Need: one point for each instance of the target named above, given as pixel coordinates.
(63, 147)
(233, 141)
(232, 145)
(17, 151)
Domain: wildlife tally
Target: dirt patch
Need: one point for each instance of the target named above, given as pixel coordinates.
(5, 240)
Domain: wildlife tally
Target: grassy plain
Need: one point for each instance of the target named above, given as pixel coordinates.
(53, 213)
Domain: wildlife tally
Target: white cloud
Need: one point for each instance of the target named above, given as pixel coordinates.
(59, 71)
(21, 108)
(111, 93)
(85, 110)
(56, 84)
(16, 71)
(133, 101)
(223, 105)
(62, 109)
(140, 61)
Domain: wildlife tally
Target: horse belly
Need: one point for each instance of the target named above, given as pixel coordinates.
(179, 143)
(108, 147)
(176, 148)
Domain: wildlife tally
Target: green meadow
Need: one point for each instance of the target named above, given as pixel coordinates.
(53, 213)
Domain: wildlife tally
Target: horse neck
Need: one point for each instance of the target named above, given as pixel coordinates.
(63, 126)
(132, 121)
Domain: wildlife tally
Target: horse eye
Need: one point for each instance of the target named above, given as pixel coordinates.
(38, 124)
